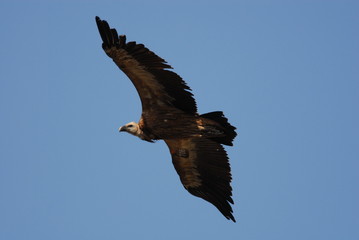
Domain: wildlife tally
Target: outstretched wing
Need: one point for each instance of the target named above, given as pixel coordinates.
(204, 170)
(157, 86)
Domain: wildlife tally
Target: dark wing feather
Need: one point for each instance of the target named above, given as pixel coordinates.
(157, 86)
(204, 170)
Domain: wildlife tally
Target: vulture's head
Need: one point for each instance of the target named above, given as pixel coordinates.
(131, 128)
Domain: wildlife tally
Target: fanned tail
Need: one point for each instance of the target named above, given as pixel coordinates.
(229, 130)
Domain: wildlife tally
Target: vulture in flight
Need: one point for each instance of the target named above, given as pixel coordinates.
(169, 112)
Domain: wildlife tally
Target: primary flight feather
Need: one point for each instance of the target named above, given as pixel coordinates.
(169, 112)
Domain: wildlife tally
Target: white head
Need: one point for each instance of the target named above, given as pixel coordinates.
(131, 128)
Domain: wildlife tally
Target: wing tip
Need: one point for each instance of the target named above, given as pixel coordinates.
(227, 212)
(230, 217)
(108, 35)
(222, 203)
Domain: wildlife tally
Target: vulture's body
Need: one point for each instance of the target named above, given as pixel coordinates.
(169, 112)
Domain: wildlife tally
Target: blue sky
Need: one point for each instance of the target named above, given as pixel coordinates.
(286, 73)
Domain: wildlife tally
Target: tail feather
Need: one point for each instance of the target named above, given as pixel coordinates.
(229, 130)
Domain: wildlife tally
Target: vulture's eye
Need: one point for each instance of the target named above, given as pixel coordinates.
(130, 125)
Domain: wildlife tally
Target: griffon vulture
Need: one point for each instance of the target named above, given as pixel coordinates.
(169, 112)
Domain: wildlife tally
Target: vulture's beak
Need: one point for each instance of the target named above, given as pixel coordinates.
(122, 129)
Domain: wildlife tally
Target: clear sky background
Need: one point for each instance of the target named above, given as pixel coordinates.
(286, 73)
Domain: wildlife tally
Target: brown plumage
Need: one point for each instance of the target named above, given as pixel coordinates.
(169, 112)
